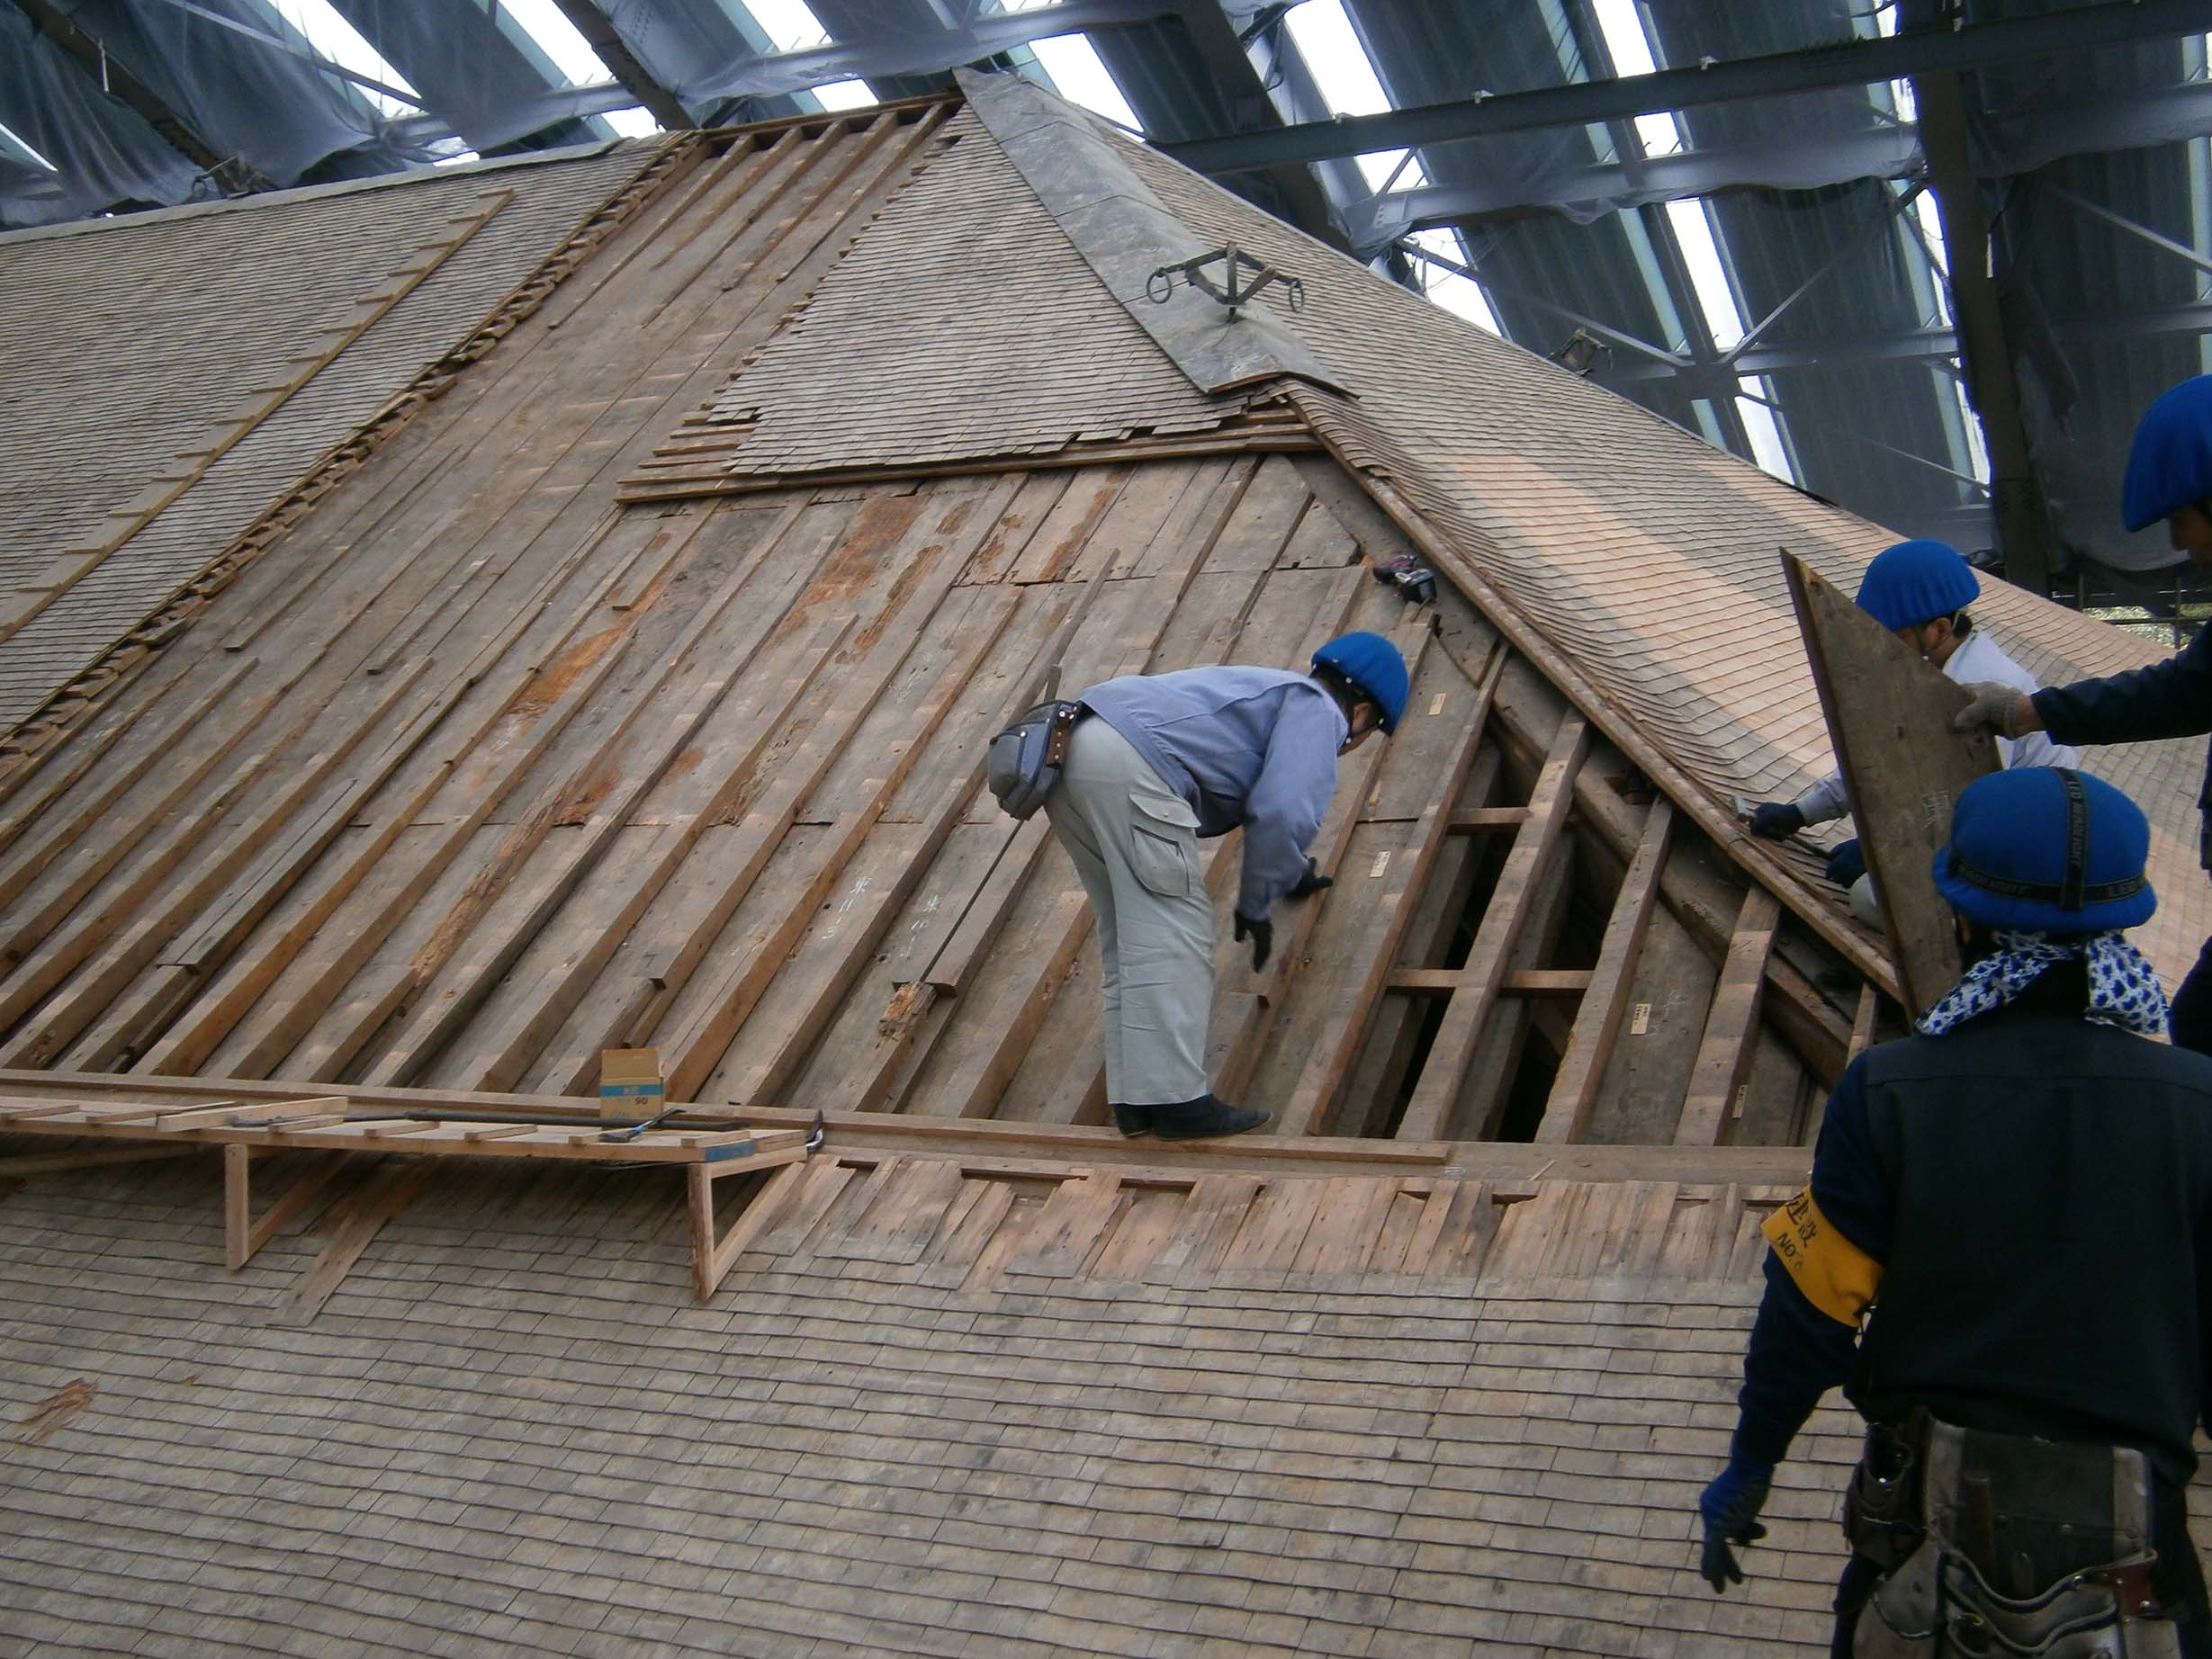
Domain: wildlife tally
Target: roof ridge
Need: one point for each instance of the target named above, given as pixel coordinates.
(1125, 232)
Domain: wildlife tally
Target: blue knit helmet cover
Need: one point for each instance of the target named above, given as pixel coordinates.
(2169, 466)
(2014, 834)
(1916, 582)
(1375, 665)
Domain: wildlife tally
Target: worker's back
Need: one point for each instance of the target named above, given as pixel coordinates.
(2052, 1183)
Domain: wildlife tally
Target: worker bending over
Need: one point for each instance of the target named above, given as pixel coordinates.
(1170, 759)
(2169, 477)
(1918, 591)
(2021, 1193)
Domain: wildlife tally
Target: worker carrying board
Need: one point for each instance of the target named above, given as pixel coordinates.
(2005, 1259)
(1148, 765)
(1919, 591)
(2170, 477)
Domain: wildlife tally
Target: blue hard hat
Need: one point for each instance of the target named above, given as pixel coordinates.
(2046, 849)
(1375, 667)
(2169, 466)
(1916, 582)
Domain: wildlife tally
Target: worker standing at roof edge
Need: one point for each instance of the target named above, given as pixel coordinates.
(2169, 477)
(2021, 1192)
(1171, 759)
(1918, 591)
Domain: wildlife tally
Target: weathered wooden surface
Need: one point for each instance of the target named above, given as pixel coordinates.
(1889, 714)
(1056, 1415)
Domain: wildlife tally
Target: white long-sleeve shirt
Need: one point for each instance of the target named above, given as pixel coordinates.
(1978, 658)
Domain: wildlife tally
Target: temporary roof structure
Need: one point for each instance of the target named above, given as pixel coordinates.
(621, 679)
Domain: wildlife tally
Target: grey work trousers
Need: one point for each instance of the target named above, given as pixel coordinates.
(1134, 841)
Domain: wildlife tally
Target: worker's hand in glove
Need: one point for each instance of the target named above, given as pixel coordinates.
(1846, 864)
(1262, 936)
(1777, 821)
(2006, 709)
(1309, 884)
(1731, 1507)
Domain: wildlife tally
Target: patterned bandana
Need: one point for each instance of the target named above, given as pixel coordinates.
(2123, 987)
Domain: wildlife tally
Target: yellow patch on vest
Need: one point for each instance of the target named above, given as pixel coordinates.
(1835, 1275)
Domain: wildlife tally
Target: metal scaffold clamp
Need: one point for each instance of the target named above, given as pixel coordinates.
(1242, 280)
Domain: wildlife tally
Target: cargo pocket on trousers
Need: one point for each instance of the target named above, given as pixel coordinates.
(1165, 861)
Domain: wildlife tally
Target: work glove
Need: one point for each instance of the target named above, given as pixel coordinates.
(1309, 884)
(1846, 864)
(1262, 936)
(1777, 821)
(2003, 709)
(1731, 1507)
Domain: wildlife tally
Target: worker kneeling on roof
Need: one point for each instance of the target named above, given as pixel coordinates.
(1918, 591)
(2005, 1259)
(1168, 760)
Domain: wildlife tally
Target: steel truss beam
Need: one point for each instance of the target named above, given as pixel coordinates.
(663, 105)
(1856, 63)
(1893, 152)
(1876, 153)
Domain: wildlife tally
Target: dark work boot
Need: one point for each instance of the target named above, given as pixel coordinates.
(1204, 1118)
(1132, 1120)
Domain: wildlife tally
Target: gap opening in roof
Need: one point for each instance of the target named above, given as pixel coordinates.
(1346, 76)
(328, 32)
(1629, 44)
(791, 26)
(573, 57)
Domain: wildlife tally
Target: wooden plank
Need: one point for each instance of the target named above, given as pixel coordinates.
(291, 1203)
(1522, 982)
(1605, 1003)
(485, 960)
(1065, 1232)
(228, 1113)
(700, 1043)
(712, 1257)
(1732, 1024)
(90, 995)
(1862, 1025)
(1693, 891)
(1211, 1218)
(218, 1008)
(1760, 864)
(1484, 819)
(87, 832)
(388, 1193)
(1468, 1012)
(1889, 717)
(1392, 914)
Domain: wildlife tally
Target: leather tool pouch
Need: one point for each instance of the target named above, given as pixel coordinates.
(1024, 760)
(2028, 1549)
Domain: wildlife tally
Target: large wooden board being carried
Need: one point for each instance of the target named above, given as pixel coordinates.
(1889, 715)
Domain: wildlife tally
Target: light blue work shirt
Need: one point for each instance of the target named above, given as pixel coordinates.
(1254, 748)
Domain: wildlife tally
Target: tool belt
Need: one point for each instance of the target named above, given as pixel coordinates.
(1024, 762)
(2005, 1545)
